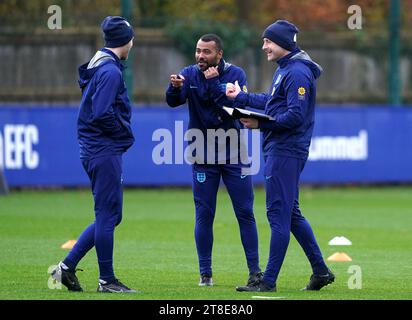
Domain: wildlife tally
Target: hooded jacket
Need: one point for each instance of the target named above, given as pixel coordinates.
(103, 123)
(291, 102)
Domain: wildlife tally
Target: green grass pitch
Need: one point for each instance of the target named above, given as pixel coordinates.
(155, 250)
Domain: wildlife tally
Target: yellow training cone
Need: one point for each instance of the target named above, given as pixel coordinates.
(69, 244)
(339, 257)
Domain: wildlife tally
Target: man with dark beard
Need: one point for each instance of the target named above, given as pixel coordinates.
(203, 86)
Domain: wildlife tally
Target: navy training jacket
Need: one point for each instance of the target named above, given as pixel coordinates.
(291, 102)
(103, 124)
(206, 97)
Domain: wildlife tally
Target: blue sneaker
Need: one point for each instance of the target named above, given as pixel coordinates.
(113, 287)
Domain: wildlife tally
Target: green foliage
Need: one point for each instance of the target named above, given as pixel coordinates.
(186, 33)
(26, 16)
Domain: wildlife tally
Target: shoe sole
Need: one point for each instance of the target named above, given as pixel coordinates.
(114, 291)
(205, 284)
(241, 290)
(107, 290)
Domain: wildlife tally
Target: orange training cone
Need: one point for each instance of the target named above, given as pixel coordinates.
(339, 257)
(68, 244)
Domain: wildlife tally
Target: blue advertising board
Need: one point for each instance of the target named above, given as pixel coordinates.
(367, 144)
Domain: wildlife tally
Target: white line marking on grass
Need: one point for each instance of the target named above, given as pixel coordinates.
(262, 297)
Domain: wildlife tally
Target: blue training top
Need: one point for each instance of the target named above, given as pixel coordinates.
(205, 98)
(103, 123)
(291, 102)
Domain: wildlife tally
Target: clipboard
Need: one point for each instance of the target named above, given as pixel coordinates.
(242, 113)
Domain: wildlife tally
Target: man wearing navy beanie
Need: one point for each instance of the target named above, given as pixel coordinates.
(283, 33)
(286, 139)
(104, 134)
(117, 32)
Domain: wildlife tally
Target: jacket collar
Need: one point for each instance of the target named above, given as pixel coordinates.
(221, 68)
(285, 59)
(115, 57)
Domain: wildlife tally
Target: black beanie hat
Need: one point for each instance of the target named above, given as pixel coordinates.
(117, 31)
(283, 33)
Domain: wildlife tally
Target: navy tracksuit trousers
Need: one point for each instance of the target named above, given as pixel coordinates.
(105, 174)
(282, 205)
(206, 180)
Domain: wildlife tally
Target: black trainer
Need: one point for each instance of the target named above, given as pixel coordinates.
(66, 277)
(205, 280)
(116, 287)
(255, 277)
(318, 281)
(258, 286)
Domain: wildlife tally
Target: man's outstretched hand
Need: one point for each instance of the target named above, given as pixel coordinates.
(232, 90)
(177, 80)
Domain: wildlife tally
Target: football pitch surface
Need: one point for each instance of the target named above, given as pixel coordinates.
(155, 250)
